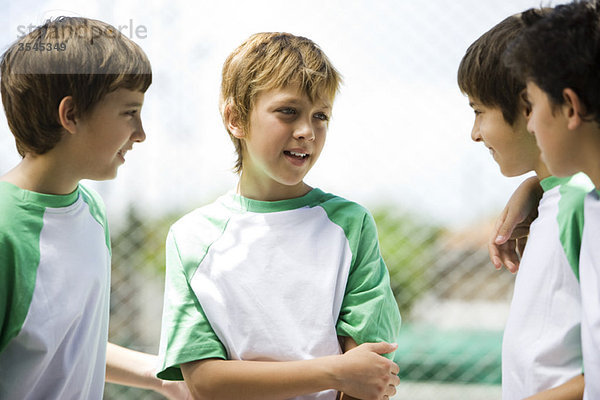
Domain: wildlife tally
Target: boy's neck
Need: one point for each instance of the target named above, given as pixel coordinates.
(541, 170)
(255, 191)
(593, 172)
(42, 174)
(587, 151)
(591, 155)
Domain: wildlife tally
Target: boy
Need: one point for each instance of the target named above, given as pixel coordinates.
(72, 92)
(541, 349)
(266, 286)
(565, 118)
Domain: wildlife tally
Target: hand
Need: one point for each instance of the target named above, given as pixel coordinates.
(368, 375)
(507, 243)
(175, 390)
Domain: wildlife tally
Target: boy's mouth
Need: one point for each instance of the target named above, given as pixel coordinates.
(122, 153)
(296, 154)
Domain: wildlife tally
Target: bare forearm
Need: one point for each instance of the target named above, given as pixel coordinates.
(360, 372)
(570, 390)
(131, 368)
(347, 344)
(227, 379)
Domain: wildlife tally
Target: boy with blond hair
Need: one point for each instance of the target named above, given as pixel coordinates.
(270, 284)
(541, 349)
(72, 91)
(565, 119)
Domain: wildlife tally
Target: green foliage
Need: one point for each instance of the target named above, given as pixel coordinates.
(140, 244)
(409, 245)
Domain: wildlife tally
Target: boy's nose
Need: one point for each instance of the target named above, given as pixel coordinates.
(475, 135)
(305, 131)
(139, 135)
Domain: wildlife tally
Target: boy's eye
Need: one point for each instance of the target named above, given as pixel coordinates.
(477, 112)
(287, 111)
(322, 116)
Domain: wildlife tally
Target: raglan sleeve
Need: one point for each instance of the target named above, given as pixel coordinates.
(7, 284)
(369, 310)
(186, 334)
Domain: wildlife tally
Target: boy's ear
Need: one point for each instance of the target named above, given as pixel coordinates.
(233, 123)
(66, 114)
(525, 104)
(573, 108)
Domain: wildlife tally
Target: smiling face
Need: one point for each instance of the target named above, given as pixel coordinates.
(512, 147)
(285, 136)
(108, 132)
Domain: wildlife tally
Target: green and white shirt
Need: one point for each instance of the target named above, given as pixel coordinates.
(541, 348)
(54, 294)
(277, 281)
(590, 295)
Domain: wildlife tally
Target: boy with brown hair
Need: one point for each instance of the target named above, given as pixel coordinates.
(72, 91)
(541, 349)
(565, 119)
(268, 286)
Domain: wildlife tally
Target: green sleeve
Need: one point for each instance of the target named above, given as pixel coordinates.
(186, 333)
(19, 260)
(98, 211)
(570, 217)
(369, 310)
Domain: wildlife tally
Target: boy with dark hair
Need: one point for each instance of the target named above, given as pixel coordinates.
(541, 350)
(564, 94)
(269, 285)
(72, 91)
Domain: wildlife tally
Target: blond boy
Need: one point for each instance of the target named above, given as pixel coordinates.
(270, 284)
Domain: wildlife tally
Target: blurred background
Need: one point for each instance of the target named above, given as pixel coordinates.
(399, 143)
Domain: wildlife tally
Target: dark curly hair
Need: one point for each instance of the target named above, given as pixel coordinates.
(562, 51)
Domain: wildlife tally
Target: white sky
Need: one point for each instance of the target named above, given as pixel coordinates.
(400, 133)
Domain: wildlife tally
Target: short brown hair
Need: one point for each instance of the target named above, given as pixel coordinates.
(268, 61)
(562, 51)
(483, 75)
(77, 57)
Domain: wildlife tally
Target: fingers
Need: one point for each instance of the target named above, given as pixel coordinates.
(395, 381)
(521, 242)
(395, 369)
(504, 254)
(508, 225)
(500, 235)
(381, 347)
(509, 256)
(391, 389)
(494, 253)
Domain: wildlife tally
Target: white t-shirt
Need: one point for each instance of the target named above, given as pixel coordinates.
(54, 295)
(274, 281)
(541, 348)
(590, 296)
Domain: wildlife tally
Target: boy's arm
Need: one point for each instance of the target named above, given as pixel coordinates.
(570, 390)
(360, 372)
(369, 311)
(132, 368)
(512, 227)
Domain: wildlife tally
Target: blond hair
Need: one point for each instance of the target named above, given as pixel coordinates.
(273, 60)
